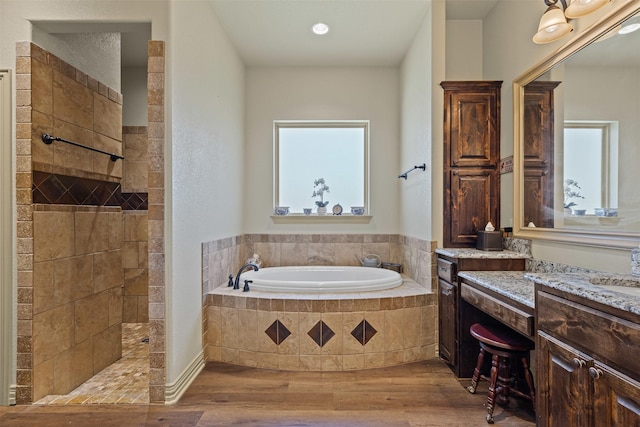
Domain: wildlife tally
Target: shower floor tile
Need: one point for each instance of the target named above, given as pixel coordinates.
(124, 381)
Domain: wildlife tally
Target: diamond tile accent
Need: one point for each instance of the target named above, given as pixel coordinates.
(321, 333)
(363, 332)
(277, 332)
(135, 201)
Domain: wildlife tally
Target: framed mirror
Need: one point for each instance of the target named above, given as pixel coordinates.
(577, 138)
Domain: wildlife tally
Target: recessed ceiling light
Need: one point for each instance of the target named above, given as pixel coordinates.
(626, 29)
(320, 28)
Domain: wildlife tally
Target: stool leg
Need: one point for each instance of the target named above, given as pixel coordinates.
(476, 373)
(529, 379)
(503, 388)
(491, 397)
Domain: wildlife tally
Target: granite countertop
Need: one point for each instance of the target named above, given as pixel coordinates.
(620, 291)
(511, 284)
(477, 253)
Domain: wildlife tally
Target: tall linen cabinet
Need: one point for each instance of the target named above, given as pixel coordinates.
(471, 159)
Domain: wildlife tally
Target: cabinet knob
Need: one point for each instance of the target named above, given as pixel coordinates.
(595, 373)
(579, 363)
(446, 292)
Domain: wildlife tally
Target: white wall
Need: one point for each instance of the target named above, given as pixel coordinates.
(207, 165)
(134, 95)
(464, 47)
(416, 96)
(321, 94)
(507, 53)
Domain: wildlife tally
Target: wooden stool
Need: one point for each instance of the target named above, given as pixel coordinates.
(504, 344)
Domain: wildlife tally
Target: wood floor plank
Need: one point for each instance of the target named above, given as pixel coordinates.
(423, 394)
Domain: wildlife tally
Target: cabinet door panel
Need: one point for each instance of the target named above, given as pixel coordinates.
(616, 398)
(473, 204)
(447, 302)
(564, 389)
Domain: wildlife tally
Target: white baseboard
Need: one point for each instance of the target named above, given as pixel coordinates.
(174, 391)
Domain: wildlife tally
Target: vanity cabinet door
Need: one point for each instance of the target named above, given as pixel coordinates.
(447, 303)
(564, 389)
(616, 397)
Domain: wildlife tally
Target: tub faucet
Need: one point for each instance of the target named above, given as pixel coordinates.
(236, 284)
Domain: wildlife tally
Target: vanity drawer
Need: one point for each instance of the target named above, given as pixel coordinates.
(511, 316)
(446, 270)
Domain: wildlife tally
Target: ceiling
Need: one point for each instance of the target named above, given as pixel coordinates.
(362, 33)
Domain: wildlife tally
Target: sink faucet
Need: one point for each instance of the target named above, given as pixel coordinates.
(236, 284)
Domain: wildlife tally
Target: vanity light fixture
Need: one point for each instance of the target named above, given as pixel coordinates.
(554, 22)
(320, 28)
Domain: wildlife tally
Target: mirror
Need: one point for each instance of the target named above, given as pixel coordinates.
(577, 133)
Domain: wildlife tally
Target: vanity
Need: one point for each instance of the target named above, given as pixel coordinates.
(586, 327)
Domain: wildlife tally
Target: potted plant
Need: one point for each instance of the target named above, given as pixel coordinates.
(320, 187)
(571, 188)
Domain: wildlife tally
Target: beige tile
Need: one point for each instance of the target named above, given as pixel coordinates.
(91, 316)
(331, 362)
(350, 344)
(377, 343)
(143, 309)
(334, 345)
(353, 362)
(143, 254)
(294, 254)
(102, 163)
(135, 228)
(67, 155)
(115, 230)
(290, 346)
(136, 281)
(42, 87)
(43, 379)
(108, 117)
(130, 253)
(53, 332)
(414, 354)
(129, 309)
(268, 361)
(41, 152)
(412, 324)
(247, 330)
(53, 235)
(321, 254)
(107, 347)
(307, 345)
(429, 331)
(345, 253)
(72, 278)
(310, 362)
(43, 286)
(91, 232)
(289, 362)
(116, 301)
(136, 147)
(269, 253)
(393, 358)
(72, 102)
(73, 367)
(213, 326)
(229, 327)
(107, 270)
(264, 319)
(393, 323)
(135, 177)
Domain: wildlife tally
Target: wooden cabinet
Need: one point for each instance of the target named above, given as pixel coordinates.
(456, 345)
(471, 159)
(538, 133)
(587, 364)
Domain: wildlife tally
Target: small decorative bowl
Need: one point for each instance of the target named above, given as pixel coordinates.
(307, 211)
(611, 212)
(282, 210)
(579, 212)
(357, 210)
(599, 211)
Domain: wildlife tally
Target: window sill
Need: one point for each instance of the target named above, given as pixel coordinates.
(321, 219)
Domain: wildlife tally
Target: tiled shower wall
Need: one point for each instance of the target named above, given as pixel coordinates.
(69, 225)
(135, 258)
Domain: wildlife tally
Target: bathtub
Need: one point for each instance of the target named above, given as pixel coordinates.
(321, 279)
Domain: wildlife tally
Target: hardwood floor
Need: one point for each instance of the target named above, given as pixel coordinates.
(418, 394)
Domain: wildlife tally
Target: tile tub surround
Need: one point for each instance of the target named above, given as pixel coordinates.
(332, 332)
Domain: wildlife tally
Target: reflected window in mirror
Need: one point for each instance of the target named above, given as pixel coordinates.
(590, 167)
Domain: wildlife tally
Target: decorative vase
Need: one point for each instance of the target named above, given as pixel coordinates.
(322, 210)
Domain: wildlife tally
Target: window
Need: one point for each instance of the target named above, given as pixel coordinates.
(591, 159)
(305, 151)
